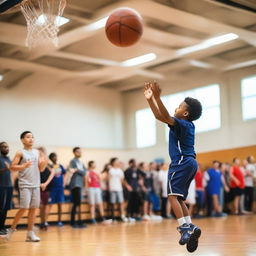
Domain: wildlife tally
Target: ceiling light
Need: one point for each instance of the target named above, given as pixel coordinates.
(208, 43)
(1, 77)
(241, 65)
(200, 64)
(41, 20)
(97, 24)
(139, 60)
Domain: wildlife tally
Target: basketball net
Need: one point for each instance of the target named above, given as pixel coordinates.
(42, 18)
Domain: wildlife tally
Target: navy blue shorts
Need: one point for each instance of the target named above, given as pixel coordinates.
(180, 176)
(56, 195)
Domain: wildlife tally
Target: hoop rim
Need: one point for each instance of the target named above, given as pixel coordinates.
(9, 4)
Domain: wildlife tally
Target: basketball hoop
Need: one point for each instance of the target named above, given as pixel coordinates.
(42, 18)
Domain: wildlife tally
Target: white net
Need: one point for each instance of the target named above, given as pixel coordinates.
(43, 21)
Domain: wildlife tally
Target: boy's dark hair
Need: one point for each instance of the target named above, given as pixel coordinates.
(194, 108)
(234, 159)
(52, 155)
(90, 164)
(75, 149)
(22, 136)
(249, 158)
(131, 161)
(106, 168)
(3, 142)
(112, 160)
(141, 165)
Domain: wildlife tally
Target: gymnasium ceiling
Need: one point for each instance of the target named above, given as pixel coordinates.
(87, 58)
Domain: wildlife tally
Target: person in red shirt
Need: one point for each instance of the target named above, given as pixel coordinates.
(237, 183)
(94, 192)
(200, 197)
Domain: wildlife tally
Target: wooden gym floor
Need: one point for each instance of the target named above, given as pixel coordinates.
(234, 236)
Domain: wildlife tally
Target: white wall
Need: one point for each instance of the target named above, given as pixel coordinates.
(61, 114)
(102, 122)
(234, 132)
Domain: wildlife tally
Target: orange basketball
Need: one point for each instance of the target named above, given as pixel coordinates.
(124, 27)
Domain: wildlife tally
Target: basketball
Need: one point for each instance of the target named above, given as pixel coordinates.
(124, 27)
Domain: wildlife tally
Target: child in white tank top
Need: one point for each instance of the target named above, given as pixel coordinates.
(28, 162)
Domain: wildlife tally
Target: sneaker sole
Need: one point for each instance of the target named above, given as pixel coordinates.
(193, 241)
(32, 241)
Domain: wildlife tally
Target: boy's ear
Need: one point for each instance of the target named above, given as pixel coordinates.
(186, 113)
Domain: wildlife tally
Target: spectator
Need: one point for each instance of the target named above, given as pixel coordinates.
(6, 187)
(94, 192)
(133, 180)
(237, 184)
(57, 186)
(214, 180)
(200, 195)
(163, 179)
(116, 180)
(250, 175)
(78, 171)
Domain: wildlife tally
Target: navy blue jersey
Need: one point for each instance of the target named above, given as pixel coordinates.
(181, 140)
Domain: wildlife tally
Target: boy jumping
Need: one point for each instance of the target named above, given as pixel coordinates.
(183, 165)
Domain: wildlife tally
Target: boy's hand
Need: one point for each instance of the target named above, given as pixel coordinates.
(27, 164)
(155, 89)
(43, 186)
(148, 93)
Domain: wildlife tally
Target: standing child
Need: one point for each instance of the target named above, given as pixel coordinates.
(163, 178)
(46, 177)
(181, 149)
(237, 184)
(6, 187)
(78, 172)
(116, 180)
(57, 186)
(94, 192)
(29, 163)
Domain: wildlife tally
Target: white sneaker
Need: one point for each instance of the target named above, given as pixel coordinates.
(31, 237)
(109, 221)
(131, 219)
(146, 217)
(156, 217)
(124, 219)
(10, 231)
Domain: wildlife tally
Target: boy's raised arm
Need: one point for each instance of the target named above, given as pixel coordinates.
(162, 113)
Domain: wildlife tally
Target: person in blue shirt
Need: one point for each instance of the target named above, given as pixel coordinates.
(214, 182)
(183, 165)
(57, 185)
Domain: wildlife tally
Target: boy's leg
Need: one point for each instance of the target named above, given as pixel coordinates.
(216, 205)
(59, 212)
(17, 218)
(183, 228)
(92, 211)
(236, 204)
(177, 208)
(31, 218)
(185, 211)
(31, 236)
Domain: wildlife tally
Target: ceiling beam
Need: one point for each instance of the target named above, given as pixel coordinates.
(12, 34)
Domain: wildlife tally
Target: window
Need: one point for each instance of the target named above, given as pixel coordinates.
(248, 89)
(209, 96)
(145, 128)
